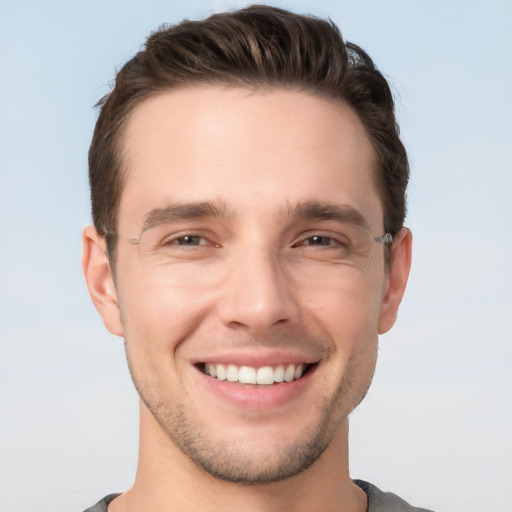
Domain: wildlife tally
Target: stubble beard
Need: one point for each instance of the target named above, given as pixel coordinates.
(237, 463)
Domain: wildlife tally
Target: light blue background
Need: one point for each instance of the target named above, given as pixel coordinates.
(436, 426)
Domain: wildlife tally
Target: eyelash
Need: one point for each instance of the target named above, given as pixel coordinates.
(175, 241)
(333, 242)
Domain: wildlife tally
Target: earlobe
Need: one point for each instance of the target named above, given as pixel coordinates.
(397, 280)
(99, 279)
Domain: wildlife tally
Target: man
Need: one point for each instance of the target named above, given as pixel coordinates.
(248, 197)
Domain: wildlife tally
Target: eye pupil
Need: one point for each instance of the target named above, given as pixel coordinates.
(320, 240)
(188, 240)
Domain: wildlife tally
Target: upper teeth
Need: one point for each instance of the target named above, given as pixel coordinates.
(250, 375)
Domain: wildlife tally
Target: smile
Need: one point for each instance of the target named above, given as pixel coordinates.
(265, 375)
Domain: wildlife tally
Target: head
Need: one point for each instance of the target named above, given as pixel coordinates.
(259, 47)
(242, 171)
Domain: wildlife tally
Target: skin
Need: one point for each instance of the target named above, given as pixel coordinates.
(251, 287)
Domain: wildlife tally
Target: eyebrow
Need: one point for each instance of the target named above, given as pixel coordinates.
(312, 210)
(320, 210)
(181, 211)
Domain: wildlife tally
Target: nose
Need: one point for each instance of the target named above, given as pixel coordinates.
(256, 294)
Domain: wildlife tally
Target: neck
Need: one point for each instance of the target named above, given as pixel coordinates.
(167, 480)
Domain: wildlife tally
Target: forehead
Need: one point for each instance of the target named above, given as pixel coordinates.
(247, 149)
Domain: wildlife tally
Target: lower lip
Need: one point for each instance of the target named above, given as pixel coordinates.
(254, 396)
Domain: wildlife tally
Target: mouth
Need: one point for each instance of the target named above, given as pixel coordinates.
(262, 376)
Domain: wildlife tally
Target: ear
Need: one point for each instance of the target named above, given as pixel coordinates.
(99, 279)
(401, 253)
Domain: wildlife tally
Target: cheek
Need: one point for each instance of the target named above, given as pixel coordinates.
(158, 312)
(156, 319)
(346, 315)
(348, 308)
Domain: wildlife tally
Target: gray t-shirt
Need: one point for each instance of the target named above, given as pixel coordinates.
(378, 501)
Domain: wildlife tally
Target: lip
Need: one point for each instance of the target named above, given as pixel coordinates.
(255, 397)
(258, 359)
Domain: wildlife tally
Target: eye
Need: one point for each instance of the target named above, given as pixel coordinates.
(185, 246)
(320, 240)
(171, 242)
(187, 241)
(333, 247)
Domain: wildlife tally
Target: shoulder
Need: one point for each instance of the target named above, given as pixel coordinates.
(379, 501)
(102, 505)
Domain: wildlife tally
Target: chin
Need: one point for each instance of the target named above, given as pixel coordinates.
(249, 460)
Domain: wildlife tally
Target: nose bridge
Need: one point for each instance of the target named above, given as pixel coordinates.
(256, 293)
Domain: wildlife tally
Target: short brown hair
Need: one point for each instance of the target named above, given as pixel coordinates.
(256, 47)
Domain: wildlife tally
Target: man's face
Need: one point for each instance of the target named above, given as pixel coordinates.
(231, 266)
